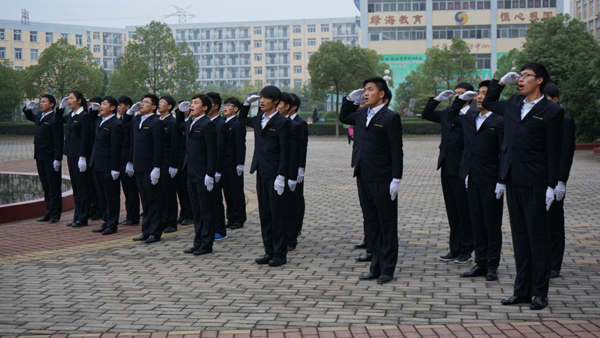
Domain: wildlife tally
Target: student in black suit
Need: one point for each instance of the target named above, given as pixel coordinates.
(300, 202)
(185, 207)
(271, 160)
(529, 164)
(77, 151)
(128, 183)
(145, 160)
(483, 134)
(96, 211)
(377, 158)
(556, 214)
(105, 161)
(200, 159)
(233, 165)
(455, 195)
(217, 192)
(48, 149)
(169, 178)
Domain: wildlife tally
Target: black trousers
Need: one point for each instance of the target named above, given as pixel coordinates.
(132, 196)
(80, 191)
(459, 217)
(271, 210)
(291, 216)
(380, 215)
(169, 190)
(486, 218)
(530, 234)
(185, 206)
(556, 225)
(233, 189)
(216, 198)
(301, 204)
(109, 198)
(203, 214)
(51, 183)
(95, 207)
(153, 204)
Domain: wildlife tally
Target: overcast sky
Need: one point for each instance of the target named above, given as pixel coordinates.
(121, 13)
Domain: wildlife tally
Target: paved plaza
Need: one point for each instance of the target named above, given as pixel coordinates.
(55, 280)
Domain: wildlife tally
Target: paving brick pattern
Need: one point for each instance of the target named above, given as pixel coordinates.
(113, 287)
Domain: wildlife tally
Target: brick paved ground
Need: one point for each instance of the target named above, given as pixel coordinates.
(56, 280)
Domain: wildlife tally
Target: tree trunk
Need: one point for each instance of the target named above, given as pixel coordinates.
(337, 112)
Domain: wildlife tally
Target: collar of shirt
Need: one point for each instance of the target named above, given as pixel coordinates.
(46, 114)
(464, 110)
(372, 111)
(293, 116)
(196, 120)
(213, 118)
(230, 118)
(77, 112)
(527, 106)
(187, 118)
(163, 118)
(265, 119)
(143, 118)
(104, 119)
(480, 118)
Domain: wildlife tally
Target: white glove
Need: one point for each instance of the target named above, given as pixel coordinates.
(500, 189)
(467, 182)
(129, 169)
(279, 184)
(172, 172)
(445, 95)
(114, 174)
(82, 164)
(549, 198)
(394, 187)
(300, 175)
(184, 106)
(63, 103)
(95, 106)
(251, 98)
(209, 182)
(239, 169)
(135, 108)
(217, 177)
(155, 175)
(56, 165)
(468, 95)
(30, 105)
(560, 190)
(357, 95)
(292, 185)
(509, 78)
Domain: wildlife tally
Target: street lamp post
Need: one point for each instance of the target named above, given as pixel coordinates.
(387, 77)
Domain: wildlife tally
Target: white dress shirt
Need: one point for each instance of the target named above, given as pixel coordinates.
(143, 118)
(196, 120)
(372, 112)
(527, 106)
(104, 119)
(480, 118)
(73, 113)
(265, 119)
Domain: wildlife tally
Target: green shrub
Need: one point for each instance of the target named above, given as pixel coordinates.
(17, 128)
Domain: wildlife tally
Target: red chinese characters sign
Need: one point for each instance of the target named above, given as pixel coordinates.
(396, 20)
(524, 16)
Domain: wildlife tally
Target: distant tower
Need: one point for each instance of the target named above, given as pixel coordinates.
(24, 16)
(182, 13)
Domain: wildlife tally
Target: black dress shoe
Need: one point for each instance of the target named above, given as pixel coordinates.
(95, 217)
(54, 220)
(277, 261)
(140, 238)
(513, 300)
(43, 219)
(554, 274)
(170, 229)
(448, 257)
(202, 252)
(367, 276)
(129, 222)
(385, 279)
(80, 224)
(190, 250)
(361, 245)
(291, 248)
(364, 258)
(152, 239)
(109, 231)
(179, 219)
(236, 226)
(538, 303)
(263, 259)
(100, 229)
(491, 275)
(228, 225)
(476, 271)
(187, 221)
(70, 224)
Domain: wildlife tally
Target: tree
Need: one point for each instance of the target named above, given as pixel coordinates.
(507, 63)
(153, 62)
(11, 93)
(337, 68)
(61, 69)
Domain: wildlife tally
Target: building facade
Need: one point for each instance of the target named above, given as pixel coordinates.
(587, 11)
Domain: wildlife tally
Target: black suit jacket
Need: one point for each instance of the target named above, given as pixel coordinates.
(181, 124)
(127, 122)
(172, 142)
(377, 155)
(272, 144)
(568, 148)
(531, 148)
(295, 149)
(452, 145)
(48, 136)
(303, 140)
(77, 142)
(106, 155)
(481, 155)
(201, 148)
(222, 135)
(235, 151)
(147, 144)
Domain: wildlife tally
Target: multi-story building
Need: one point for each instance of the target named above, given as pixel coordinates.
(587, 11)
(403, 30)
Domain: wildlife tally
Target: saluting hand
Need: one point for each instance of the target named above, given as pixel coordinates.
(30, 105)
(445, 95)
(95, 106)
(468, 95)
(184, 106)
(509, 78)
(63, 103)
(357, 96)
(252, 98)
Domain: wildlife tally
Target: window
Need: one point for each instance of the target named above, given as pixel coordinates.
(258, 70)
(297, 42)
(324, 40)
(98, 61)
(325, 28)
(397, 33)
(96, 35)
(18, 53)
(514, 4)
(257, 43)
(2, 52)
(78, 40)
(18, 67)
(49, 37)
(451, 5)
(395, 5)
(310, 54)
(311, 28)
(463, 32)
(131, 34)
(2, 34)
(64, 36)
(297, 83)
(17, 34)
(33, 54)
(96, 48)
(297, 56)
(297, 69)
(312, 42)
(258, 57)
(484, 61)
(297, 29)
(258, 31)
(512, 31)
(33, 36)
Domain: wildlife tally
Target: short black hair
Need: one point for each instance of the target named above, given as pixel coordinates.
(79, 96)
(297, 101)
(153, 98)
(170, 101)
(215, 98)
(287, 99)
(551, 90)
(97, 99)
(272, 93)
(206, 101)
(234, 101)
(126, 100)
(51, 99)
(378, 81)
(112, 101)
(485, 83)
(540, 71)
(388, 96)
(465, 85)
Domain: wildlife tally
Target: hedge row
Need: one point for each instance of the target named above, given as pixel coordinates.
(17, 128)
